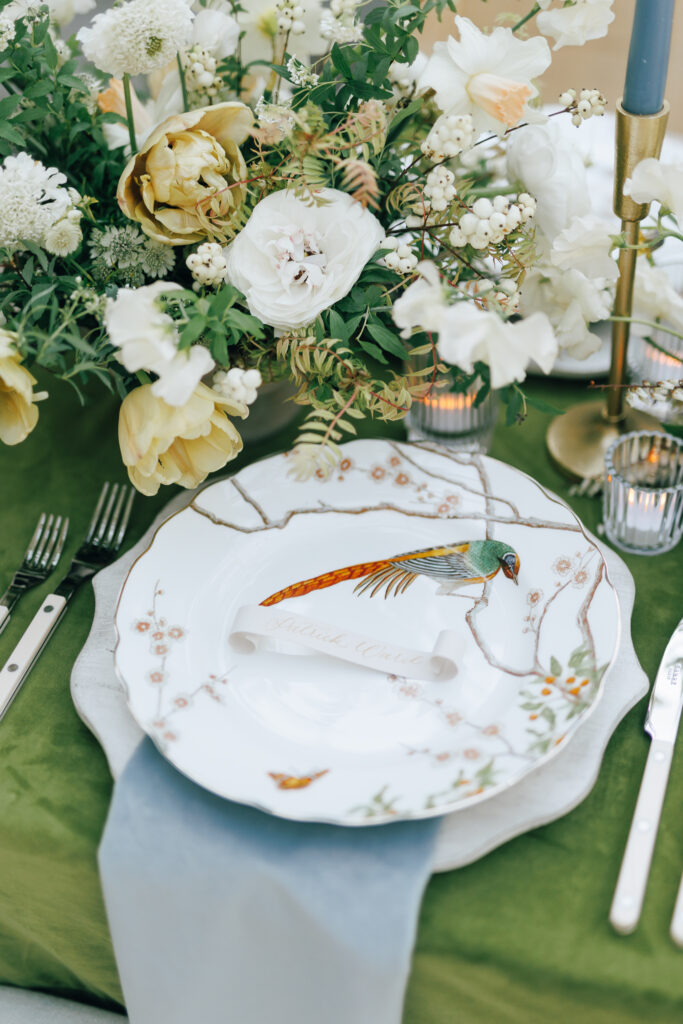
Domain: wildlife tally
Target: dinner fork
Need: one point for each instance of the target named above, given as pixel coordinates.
(103, 540)
(42, 554)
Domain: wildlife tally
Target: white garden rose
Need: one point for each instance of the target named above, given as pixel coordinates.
(292, 259)
(147, 339)
(662, 182)
(553, 172)
(472, 335)
(576, 24)
(571, 301)
(586, 245)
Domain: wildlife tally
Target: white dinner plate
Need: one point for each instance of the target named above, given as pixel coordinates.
(310, 737)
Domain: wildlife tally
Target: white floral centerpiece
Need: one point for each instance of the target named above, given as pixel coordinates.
(199, 196)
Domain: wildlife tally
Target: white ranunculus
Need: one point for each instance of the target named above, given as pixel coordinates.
(575, 25)
(571, 301)
(472, 335)
(654, 180)
(586, 246)
(487, 76)
(147, 339)
(655, 298)
(553, 172)
(292, 260)
(422, 304)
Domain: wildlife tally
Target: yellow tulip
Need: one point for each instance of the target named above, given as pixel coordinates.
(18, 412)
(187, 182)
(168, 444)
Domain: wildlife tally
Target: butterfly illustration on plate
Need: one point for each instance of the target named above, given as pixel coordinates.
(450, 565)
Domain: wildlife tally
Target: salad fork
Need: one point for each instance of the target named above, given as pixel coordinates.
(42, 554)
(103, 540)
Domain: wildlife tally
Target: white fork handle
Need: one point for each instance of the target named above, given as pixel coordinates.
(677, 919)
(4, 616)
(635, 867)
(21, 660)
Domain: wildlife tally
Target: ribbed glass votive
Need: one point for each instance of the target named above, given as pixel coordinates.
(454, 420)
(648, 362)
(643, 492)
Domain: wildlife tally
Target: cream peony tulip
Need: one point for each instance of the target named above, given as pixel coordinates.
(18, 413)
(167, 444)
(292, 259)
(187, 182)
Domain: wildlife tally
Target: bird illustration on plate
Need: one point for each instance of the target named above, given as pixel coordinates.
(452, 566)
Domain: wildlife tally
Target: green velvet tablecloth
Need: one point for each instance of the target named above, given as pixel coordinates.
(520, 936)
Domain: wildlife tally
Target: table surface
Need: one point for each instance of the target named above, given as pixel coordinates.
(521, 935)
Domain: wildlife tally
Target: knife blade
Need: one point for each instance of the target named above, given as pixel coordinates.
(661, 723)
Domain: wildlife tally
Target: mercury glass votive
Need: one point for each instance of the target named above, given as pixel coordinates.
(643, 492)
(454, 419)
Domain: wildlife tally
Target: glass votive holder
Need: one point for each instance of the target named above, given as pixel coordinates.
(643, 492)
(454, 419)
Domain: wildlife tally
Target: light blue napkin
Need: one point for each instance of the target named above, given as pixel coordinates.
(221, 914)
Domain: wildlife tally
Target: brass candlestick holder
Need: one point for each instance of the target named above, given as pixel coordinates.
(578, 440)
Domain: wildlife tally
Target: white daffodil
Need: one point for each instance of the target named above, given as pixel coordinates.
(574, 25)
(571, 301)
(472, 335)
(147, 339)
(552, 170)
(655, 298)
(423, 304)
(487, 76)
(586, 245)
(654, 180)
(292, 260)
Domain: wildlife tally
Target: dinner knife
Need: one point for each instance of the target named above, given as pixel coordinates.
(661, 722)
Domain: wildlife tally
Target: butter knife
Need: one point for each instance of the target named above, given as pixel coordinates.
(661, 723)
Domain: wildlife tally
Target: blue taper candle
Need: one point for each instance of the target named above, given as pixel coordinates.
(648, 57)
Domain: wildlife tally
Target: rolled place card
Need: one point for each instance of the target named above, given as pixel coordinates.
(255, 628)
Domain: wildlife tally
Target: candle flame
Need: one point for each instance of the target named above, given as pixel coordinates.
(450, 402)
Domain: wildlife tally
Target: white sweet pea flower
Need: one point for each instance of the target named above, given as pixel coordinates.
(655, 298)
(571, 301)
(552, 170)
(576, 24)
(586, 246)
(147, 339)
(654, 180)
(422, 304)
(216, 30)
(471, 335)
(292, 260)
(487, 76)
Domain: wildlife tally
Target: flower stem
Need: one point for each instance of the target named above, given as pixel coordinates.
(183, 84)
(527, 17)
(129, 114)
(656, 326)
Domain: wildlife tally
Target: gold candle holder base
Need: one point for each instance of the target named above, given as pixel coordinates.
(578, 440)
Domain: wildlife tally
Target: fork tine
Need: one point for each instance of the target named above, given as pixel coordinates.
(114, 521)
(126, 516)
(35, 538)
(58, 547)
(104, 517)
(96, 513)
(38, 554)
(46, 553)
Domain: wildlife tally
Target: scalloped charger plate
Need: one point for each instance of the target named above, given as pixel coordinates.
(308, 737)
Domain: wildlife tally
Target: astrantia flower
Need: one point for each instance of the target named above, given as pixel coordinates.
(470, 335)
(167, 444)
(571, 301)
(292, 260)
(487, 76)
(653, 179)
(18, 413)
(137, 37)
(156, 259)
(32, 199)
(147, 339)
(117, 247)
(586, 246)
(574, 25)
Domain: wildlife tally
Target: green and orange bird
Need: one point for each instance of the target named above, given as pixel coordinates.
(451, 565)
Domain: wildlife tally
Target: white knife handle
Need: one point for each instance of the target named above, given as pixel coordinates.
(4, 616)
(635, 867)
(20, 661)
(677, 919)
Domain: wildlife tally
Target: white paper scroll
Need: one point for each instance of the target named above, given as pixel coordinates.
(256, 625)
